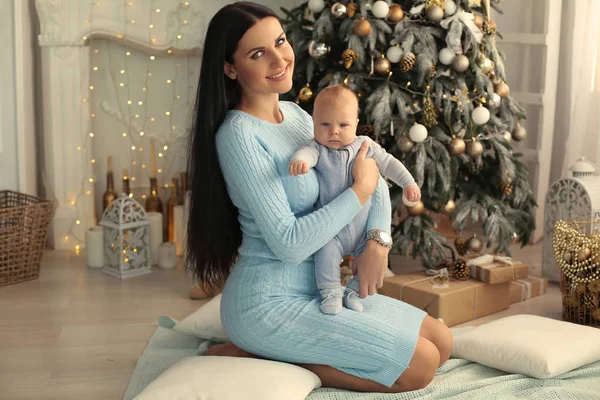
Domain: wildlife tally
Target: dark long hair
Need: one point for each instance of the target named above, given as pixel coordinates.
(213, 232)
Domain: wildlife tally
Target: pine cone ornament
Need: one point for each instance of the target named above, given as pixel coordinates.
(408, 62)
(348, 56)
(460, 244)
(460, 270)
(352, 9)
(366, 130)
(594, 286)
(506, 186)
(430, 113)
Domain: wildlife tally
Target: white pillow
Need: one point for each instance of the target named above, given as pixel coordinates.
(231, 378)
(530, 345)
(204, 323)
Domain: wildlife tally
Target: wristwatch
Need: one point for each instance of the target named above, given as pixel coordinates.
(381, 236)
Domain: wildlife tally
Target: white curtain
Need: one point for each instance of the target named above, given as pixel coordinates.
(580, 109)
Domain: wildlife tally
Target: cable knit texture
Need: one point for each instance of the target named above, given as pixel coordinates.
(270, 304)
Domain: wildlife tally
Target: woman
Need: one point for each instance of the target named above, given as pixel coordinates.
(246, 210)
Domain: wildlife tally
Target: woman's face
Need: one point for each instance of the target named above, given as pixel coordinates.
(264, 60)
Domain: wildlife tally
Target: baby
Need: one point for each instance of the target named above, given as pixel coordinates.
(332, 153)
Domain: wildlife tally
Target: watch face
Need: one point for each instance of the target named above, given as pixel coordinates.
(385, 236)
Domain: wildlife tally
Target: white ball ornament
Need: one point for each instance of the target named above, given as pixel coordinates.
(316, 6)
(380, 9)
(495, 100)
(450, 8)
(480, 115)
(446, 56)
(417, 133)
(394, 54)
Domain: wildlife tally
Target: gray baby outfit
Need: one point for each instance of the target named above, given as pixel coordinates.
(334, 171)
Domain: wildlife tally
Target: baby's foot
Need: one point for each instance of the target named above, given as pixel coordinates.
(332, 301)
(352, 300)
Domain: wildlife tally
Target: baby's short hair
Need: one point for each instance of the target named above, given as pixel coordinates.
(334, 92)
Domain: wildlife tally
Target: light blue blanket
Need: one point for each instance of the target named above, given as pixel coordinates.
(456, 380)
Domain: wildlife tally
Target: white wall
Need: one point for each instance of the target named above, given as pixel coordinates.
(8, 126)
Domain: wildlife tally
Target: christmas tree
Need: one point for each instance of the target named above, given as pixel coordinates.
(431, 83)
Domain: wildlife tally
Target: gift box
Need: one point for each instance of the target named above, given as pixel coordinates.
(494, 269)
(455, 302)
(524, 289)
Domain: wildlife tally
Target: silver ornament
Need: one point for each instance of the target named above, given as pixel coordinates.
(495, 100)
(404, 144)
(485, 64)
(507, 136)
(519, 133)
(460, 63)
(318, 50)
(474, 244)
(474, 149)
(435, 13)
(339, 10)
(461, 133)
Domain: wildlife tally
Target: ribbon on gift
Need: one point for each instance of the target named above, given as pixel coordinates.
(487, 262)
(526, 287)
(437, 273)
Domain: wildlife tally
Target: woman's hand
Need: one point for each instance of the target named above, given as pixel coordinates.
(372, 266)
(365, 173)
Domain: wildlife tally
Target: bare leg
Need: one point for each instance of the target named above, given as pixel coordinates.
(419, 374)
(438, 334)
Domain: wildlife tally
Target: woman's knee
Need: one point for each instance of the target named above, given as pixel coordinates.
(439, 334)
(422, 367)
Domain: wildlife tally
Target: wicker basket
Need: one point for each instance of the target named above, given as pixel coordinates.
(24, 224)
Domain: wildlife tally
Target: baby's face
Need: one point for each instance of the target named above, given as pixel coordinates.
(335, 122)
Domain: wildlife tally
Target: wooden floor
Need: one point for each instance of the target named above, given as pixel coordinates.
(76, 333)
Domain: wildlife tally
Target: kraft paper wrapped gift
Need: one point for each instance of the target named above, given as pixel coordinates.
(494, 269)
(524, 289)
(455, 303)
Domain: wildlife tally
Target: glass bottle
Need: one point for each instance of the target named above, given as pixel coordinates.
(109, 194)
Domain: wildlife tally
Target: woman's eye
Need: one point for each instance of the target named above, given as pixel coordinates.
(256, 55)
(280, 41)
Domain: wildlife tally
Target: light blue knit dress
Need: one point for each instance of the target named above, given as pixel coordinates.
(270, 304)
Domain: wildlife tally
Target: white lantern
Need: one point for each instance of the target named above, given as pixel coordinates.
(126, 239)
(574, 197)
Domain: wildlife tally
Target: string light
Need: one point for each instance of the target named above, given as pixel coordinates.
(95, 68)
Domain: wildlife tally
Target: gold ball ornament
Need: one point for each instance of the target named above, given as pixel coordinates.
(417, 209)
(485, 64)
(457, 146)
(362, 27)
(507, 136)
(460, 270)
(306, 94)
(408, 62)
(502, 89)
(449, 207)
(519, 133)
(474, 244)
(352, 8)
(460, 244)
(460, 63)
(348, 56)
(404, 143)
(382, 66)
(583, 254)
(474, 149)
(396, 14)
(435, 13)
(339, 10)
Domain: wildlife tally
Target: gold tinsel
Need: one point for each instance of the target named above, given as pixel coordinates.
(430, 113)
(408, 62)
(506, 186)
(433, 3)
(568, 239)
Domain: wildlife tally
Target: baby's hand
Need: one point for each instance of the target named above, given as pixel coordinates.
(412, 193)
(298, 167)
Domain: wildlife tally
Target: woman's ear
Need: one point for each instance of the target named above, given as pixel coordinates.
(229, 71)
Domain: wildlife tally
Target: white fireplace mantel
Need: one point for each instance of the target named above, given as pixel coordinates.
(66, 27)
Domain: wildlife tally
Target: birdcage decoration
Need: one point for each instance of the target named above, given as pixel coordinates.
(126, 239)
(576, 197)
